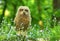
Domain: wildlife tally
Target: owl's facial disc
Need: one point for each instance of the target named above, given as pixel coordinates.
(23, 11)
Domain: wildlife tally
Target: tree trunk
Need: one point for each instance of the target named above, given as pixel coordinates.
(5, 6)
(56, 4)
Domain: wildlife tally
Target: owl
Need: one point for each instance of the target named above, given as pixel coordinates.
(22, 20)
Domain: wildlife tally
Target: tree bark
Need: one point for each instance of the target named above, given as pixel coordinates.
(56, 4)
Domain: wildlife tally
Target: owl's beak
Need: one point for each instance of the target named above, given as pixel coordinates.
(24, 13)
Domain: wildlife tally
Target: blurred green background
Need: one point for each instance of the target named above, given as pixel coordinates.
(45, 16)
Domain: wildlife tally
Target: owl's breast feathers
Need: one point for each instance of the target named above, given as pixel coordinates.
(22, 22)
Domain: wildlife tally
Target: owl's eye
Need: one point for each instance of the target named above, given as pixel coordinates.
(21, 10)
(26, 10)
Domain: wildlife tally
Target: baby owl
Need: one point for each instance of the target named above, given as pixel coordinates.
(22, 19)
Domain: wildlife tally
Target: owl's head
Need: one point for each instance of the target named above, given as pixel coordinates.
(23, 10)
